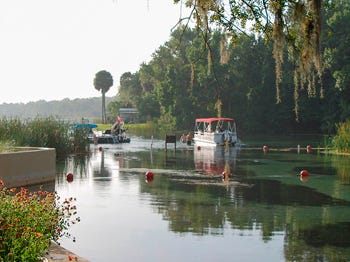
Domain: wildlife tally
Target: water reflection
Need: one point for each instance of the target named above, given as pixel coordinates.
(342, 166)
(214, 160)
(262, 204)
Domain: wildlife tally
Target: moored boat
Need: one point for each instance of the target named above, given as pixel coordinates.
(107, 137)
(115, 135)
(215, 131)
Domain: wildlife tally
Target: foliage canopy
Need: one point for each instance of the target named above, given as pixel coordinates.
(293, 25)
(234, 75)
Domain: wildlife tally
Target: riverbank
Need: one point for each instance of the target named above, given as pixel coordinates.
(58, 253)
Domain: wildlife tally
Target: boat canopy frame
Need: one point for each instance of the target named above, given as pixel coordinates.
(205, 124)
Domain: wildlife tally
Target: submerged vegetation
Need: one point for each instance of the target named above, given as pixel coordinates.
(43, 132)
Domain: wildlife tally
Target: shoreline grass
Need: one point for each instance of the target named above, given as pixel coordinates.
(43, 132)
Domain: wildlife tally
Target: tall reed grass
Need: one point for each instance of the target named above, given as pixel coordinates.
(43, 132)
(341, 141)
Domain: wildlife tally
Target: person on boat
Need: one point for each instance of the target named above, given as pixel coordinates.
(95, 139)
(117, 126)
(183, 138)
(218, 129)
(189, 138)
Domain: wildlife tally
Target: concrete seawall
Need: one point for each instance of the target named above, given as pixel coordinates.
(28, 166)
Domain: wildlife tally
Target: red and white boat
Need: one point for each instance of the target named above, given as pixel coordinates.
(215, 131)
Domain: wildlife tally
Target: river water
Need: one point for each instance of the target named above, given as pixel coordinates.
(260, 209)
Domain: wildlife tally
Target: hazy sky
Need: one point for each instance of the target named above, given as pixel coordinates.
(52, 49)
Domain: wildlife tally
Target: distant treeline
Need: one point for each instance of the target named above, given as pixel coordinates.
(66, 109)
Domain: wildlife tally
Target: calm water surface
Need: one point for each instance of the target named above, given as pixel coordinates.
(262, 212)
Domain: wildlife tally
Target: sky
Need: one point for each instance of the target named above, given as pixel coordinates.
(52, 49)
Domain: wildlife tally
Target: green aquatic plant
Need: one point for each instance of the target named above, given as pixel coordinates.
(341, 141)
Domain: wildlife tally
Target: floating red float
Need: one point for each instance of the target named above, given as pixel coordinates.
(100, 148)
(149, 176)
(265, 148)
(198, 147)
(70, 177)
(308, 148)
(304, 178)
(304, 173)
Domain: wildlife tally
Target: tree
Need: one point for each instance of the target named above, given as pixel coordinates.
(129, 89)
(337, 52)
(102, 82)
(293, 25)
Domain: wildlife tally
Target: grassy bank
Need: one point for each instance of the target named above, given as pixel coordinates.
(42, 132)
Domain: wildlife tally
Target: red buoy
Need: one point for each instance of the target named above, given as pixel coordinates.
(304, 178)
(265, 148)
(308, 148)
(149, 176)
(100, 148)
(304, 173)
(69, 177)
(198, 147)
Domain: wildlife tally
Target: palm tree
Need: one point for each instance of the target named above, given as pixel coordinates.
(102, 82)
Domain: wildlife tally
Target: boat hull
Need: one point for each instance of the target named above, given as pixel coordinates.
(111, 139)
(214, 139)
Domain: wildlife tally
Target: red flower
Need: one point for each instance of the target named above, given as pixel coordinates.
(38, 234)
(71, 258)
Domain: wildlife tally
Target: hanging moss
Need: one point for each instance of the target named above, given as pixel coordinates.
(218, 107)
(278, 47)
(209, 61)
(296, 95)
(292, 23)
(224, 53)
(192, 75)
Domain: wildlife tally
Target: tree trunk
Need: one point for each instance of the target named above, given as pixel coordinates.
(103, 108)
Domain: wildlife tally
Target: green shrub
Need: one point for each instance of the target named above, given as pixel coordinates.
(29, 221)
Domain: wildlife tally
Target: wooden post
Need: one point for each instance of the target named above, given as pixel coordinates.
(170, 139)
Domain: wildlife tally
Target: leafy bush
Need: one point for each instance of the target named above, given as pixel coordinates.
(29, 221)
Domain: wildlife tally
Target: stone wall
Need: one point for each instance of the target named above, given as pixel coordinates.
(28, 166)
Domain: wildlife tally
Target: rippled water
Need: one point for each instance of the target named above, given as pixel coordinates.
(262, 211)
